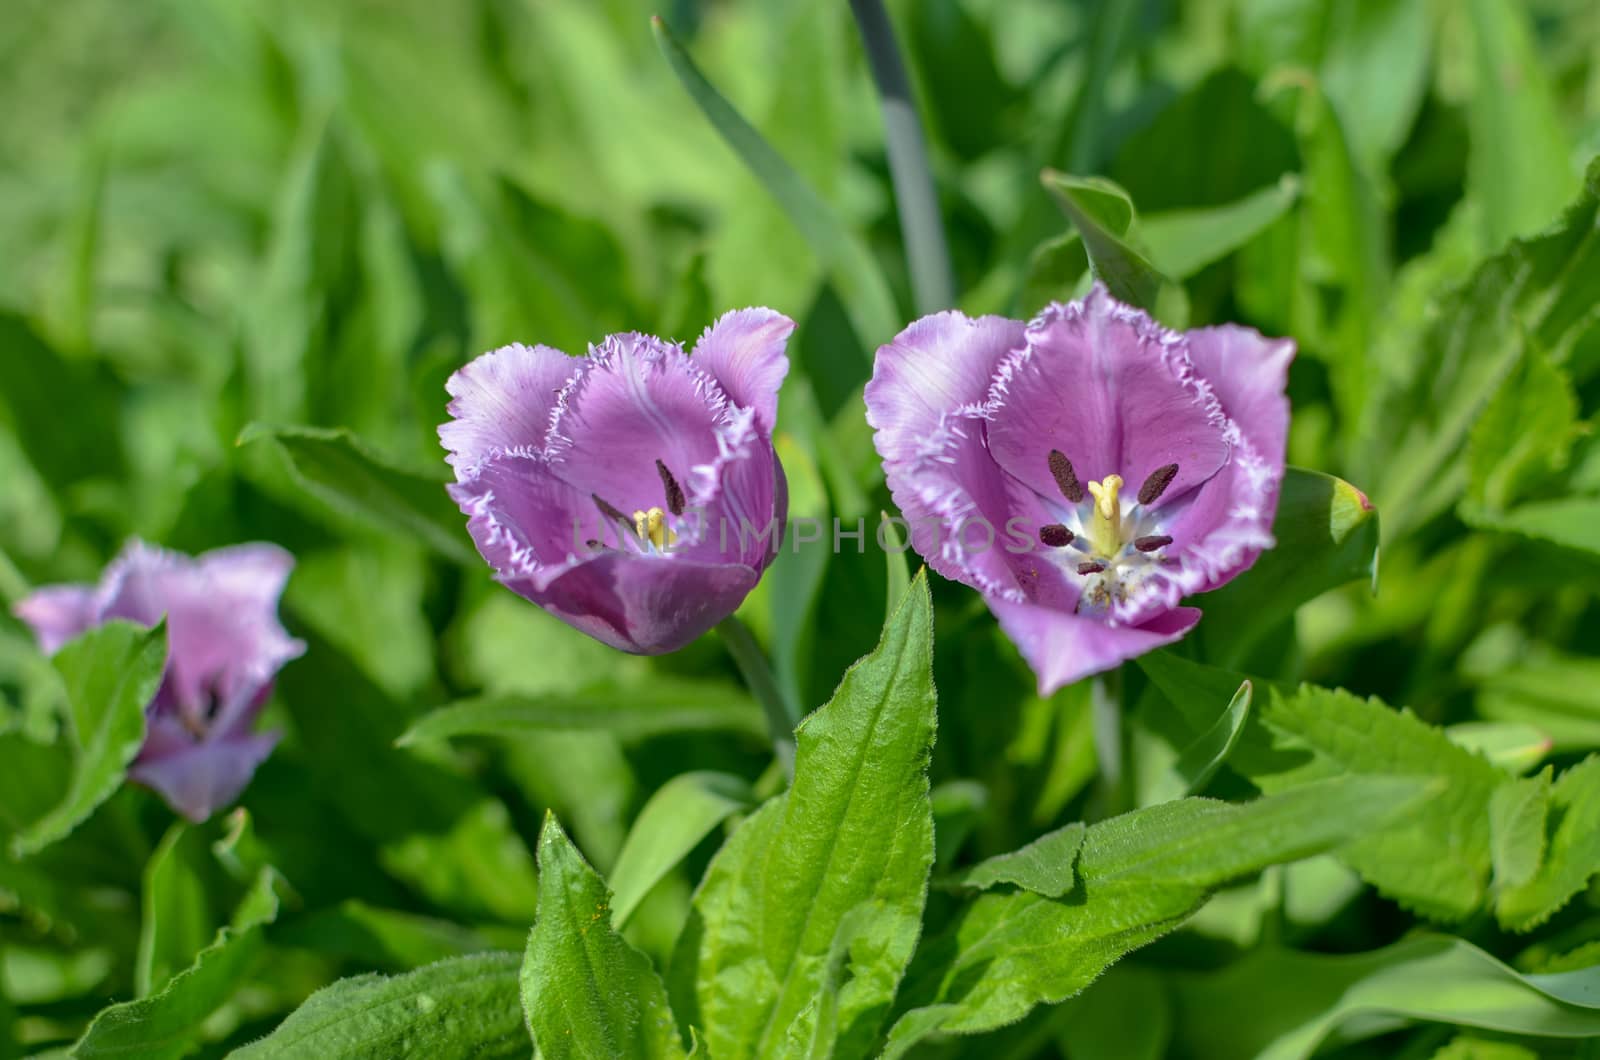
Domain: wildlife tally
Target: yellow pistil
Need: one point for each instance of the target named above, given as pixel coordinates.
(651, 526)
(1107, 529)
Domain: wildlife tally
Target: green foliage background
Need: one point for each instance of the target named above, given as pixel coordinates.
(246, 241)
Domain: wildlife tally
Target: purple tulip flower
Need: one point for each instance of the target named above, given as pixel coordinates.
(225, 646)
(634, 494)
(1085, 471)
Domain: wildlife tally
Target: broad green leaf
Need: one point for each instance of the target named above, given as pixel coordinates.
(1055, 272)
(585, 991)
(1182, 242)
(110, 674)
(171, 1021)
(1044, 866)
(1512, 746)
(1103, 215)
(1573, 856)
(681, 813)
(176, 916)
(662, 705)
(466, 1006)
(855, 831)
(1327, 535)
(1525, 433)
(1436, 861)
(34, 381)
(1199, 761)
(389, 938)
(340, 470)
(857, 277)
(1572, 522)
(1552, 693)
(1125, 1015)
(480, 867)
(1280, 1005)
(1140, 876)
(1465, 1047)
(1520, 166)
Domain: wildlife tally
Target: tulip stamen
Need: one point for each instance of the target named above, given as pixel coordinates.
(1156, 483)
(1066, 478)
(1152, 542)
(1092, 567)
(651, 526)
(1055, 535)
(674, 492)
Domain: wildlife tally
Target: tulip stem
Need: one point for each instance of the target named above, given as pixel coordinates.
(927, 254)
(1112, 741)
(782, 717)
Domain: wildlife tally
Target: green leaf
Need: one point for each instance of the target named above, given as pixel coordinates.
(1103, 214)
(466, 1006)
(1182, 242)
(585, 991)
(1437, 860)
(1517, 815)
(389, 938)
(663, 705)
(177, 921)
(1280, 1005)
(1552, 693)
(898, 573)
(681, 813)
(34, 381)
(857, 278)
(480, 867)
(1140, 875)
(339, 469)
(111, 674)
(1525, 433)
(1327, 535)
(854, 832)
(1044, 866)
(1574, 851)
(1511, 745)
(1520, 166)
(169, 1022)
(1451, 350)
(1199, 761)
(1572, 522)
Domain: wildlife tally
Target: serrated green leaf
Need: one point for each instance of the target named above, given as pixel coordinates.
(169, 1022)
(585, 991)
(1517, 814)
(466, 1006)
(111, 674)
(855, 830)
(662, 705)
(1280, 1005)
(1327, 536)
(681, 813)
(1044, 866)
(1573, 855)
(343, 472)
(1437, 860)
(858, 279)
(1141, 874)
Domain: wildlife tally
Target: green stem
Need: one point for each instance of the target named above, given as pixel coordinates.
(918, 203)
(782, 717)
(1111, 742)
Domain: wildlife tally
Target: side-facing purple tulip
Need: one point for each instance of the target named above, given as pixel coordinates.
(633, 493)
(1084, 471)
(225, 646)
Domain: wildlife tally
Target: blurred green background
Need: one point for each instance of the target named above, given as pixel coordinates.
(218, 213)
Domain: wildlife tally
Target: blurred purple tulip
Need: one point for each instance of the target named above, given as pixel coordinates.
(1085, 471)
(634, 493)
(225, 646)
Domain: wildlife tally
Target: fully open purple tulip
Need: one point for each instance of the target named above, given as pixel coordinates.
(225, 646)
(1085, 471)
(634, 493)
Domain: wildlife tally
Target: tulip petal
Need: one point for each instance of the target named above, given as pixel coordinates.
(198, 778)
(57, 613)
(1249, 374)
(503, 400)
(647, 605)
(744, 352)
(1111, 389)
(1062, 647)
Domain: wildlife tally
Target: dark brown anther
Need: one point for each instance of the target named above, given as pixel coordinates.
(611, 512)
(1092, 567)
(1066, 479)
(593, 545)
(1157, 483)
(675, 499)
(1055, 535)
(1151, 543)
